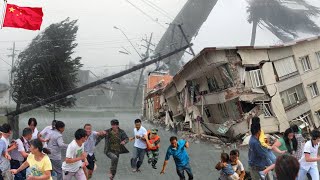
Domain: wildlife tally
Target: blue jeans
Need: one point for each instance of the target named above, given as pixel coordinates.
(270, 156)
(137, 157)
(313, 171)
(187, 168)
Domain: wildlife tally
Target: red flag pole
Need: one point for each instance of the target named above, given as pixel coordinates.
(3, 14)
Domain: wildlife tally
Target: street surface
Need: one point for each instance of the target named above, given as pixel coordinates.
(203, 156)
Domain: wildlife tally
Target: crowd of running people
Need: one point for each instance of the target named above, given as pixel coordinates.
(297, 158)
(37, 154)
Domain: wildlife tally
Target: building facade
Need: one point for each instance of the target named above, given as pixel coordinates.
(221, 89)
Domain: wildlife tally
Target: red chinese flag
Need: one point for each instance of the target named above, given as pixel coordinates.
(23, 17)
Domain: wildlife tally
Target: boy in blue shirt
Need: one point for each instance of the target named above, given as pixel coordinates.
(177, 150)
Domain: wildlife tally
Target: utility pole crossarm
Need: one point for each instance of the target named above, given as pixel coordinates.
(93, 84)
(185, 37)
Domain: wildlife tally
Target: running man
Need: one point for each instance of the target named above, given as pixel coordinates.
(115, 139)
(76, 158)
(177, 150)
(89, 147)
(140, 145)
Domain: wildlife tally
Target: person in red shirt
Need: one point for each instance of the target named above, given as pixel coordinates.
(153, 145)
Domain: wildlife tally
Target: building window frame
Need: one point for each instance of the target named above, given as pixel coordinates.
(306, 64)
(256, 78)
(267, 109)
(293, 96)
(314, 90)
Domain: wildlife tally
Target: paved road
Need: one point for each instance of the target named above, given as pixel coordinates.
(203, 156)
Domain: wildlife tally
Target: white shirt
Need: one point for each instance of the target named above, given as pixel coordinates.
(45, 133)
(6, 140)
(238, 166)
(138, 142)
(21, 146)
(313, 151)
(73, 151)
(35, 134)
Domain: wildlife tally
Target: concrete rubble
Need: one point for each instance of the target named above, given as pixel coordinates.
(215, 95)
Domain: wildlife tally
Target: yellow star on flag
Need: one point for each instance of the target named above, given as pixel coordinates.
(12, 9)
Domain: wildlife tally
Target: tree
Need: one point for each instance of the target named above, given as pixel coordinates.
(284, 18)
(46, 68)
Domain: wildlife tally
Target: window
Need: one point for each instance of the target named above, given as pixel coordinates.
(212, 84)
(226, 75)
(256, 78)
(267, 110)
(293, 96)
(285, 68)
(314, 90)
(223, 109)
(306, 63)
(305, 119)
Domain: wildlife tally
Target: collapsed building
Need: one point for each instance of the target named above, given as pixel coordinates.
(221, 89)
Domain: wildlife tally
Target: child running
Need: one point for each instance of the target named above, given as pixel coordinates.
(227, 172)
(153, 143)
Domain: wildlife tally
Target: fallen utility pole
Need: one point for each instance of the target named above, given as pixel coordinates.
(93, 84)
(141, 74)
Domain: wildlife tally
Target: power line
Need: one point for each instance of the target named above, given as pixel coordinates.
(146, 14)
(4, 61)
(158, 9)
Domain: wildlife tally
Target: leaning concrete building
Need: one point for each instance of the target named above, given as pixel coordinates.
(221, 89)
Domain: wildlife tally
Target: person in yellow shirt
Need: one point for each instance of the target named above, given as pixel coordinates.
(38, 162)
(267, 149)
(263, 142)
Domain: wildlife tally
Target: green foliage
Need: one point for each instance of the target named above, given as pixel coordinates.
(284, 18)
(46, 67)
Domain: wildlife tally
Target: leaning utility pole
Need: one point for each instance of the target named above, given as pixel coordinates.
(141, 74)
(13, 55)
(186, 39)
(11, 115)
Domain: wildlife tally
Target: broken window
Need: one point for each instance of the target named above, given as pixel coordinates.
(246, 107)
(226, 75)
(223, 110)
(267, 111)
(314, 90)
(292, 96)
(304, 120)
(212, 84)
(306, 63)
(256, 78)
(285, 68)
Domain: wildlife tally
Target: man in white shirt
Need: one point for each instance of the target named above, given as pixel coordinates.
(19, 154)
(308, 162)
(140, 145)
(76, 157)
